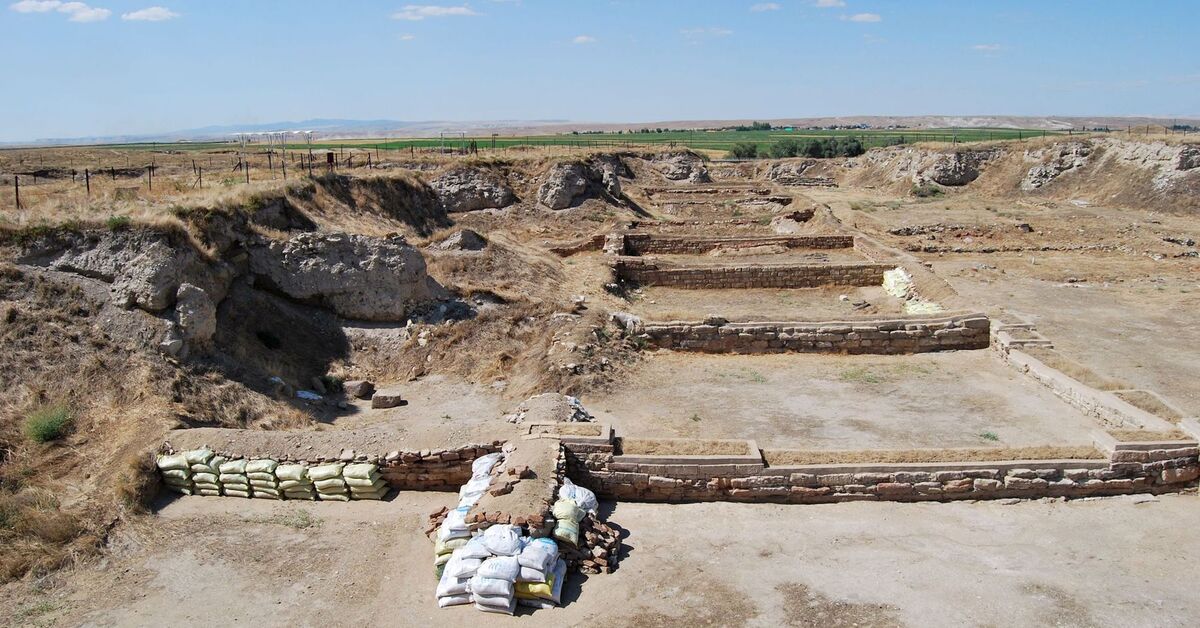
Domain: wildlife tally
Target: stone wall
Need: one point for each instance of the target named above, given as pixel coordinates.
(1149, 468)
(657, 273)
(890, 336)
(432, 470)
(650, 244)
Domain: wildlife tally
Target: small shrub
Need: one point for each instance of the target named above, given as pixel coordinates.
(48, 423)
(744, 150)
(989, 436)
(860, 374)
(926, 190)
(117, 223)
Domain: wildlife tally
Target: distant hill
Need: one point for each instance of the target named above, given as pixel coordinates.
(341, 128)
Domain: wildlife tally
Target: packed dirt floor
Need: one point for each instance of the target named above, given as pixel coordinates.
(953, 399)
(226, 562)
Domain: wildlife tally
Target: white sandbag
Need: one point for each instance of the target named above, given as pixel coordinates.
(529, 574)
(293, 472)
(331, 485)
(454, 600)
(462, 567)
(299, 491)
(539, 554)
(207, 478)
(265, 495)
(475, 548)
(208, 492)
(451, 585)
(290, 484)
(374, 488)
(262, 466)
(486, 605)
(490, 587)
(333, 497)
(180, 474)
(262, 476)
(483, 464)
(234, 492)
(234, 479)
(325, 471)
(361, 471)
(263, 484)
(234, 466)
(212, 466)
(208, 487)
(582, 497)
(500, 568)
(502, 540)
(198, 456)
(476, 486)
(176, 462)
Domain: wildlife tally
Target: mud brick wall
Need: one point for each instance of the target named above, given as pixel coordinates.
(432, 470)
(893, 336)
(1130, 472)
(653, 273)
(649, 244)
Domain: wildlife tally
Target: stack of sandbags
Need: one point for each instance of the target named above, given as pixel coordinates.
(547, 594)
(176, 473)
(493, 587)
(294, 481)
(263, 483)
(364, 481)
(206, 475)
(537, 559)
(567, 515)
(582, 497)
(234, 481)
(328, 480)
(451, 535)
(454, 582)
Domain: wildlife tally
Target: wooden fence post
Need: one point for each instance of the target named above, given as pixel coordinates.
(17, 189)
(87, 180)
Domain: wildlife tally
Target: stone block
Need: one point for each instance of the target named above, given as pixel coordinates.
(387, 398)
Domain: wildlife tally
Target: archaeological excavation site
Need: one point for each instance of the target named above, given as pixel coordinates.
(626, 385)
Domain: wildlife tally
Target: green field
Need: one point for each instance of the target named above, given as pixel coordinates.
(705, 140)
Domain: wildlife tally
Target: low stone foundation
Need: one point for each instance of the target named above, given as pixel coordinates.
(891, 336)
(651, 244)
(657, 273)
(1130, 468)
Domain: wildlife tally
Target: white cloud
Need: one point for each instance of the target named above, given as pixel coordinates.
(765, 6)
(417, 12)
(865, 17)
(712, 31)
(583, 39)
(829, 4)
(407, 37)
(79, 11)
(35, 6)
(150, 14)
(987, 47)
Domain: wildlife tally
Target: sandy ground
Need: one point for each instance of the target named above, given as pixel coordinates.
(223, 561)
(841, 402)
(802, 304)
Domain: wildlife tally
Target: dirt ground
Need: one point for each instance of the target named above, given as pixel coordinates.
(799, 304)
(227, 561)
(954, 399)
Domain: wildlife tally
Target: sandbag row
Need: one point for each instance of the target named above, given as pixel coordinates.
(499, 569)
(202, 472)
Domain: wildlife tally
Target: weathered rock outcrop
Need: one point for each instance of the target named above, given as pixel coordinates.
(143, 268)
(1055, 160)
(355, 276)
(568, 183)
(196, 314)
(958, 168)
(683, 166)
(469, 189)
(463, 240)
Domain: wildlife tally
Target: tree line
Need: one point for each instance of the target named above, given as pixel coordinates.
(818, 148)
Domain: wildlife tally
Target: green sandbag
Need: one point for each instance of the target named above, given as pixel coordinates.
(261, 466)
(186, 490)
(206, 478)
(334, 497)
(299, 495)
(289, 484)
(377, 494)
(364, 482)
(567, 532)
(567, 510)
(235, 493)
(233, 478)
(331, 485)
(234, 466)
(291, 472)
(362, 470)
(325, 471)
(208, 492)
(178, 461)
(177, 474)
(198, 456)
(262, 476)
(208, 485)
(263, 484)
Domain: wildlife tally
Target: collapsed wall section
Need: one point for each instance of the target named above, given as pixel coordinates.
(651, 244)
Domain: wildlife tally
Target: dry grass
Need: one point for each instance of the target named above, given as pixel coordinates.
(683, 447)
(789, 457)
(1151, 403)
(1075, 370)
(1145, 436)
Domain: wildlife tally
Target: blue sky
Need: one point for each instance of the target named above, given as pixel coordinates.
(131, 66)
